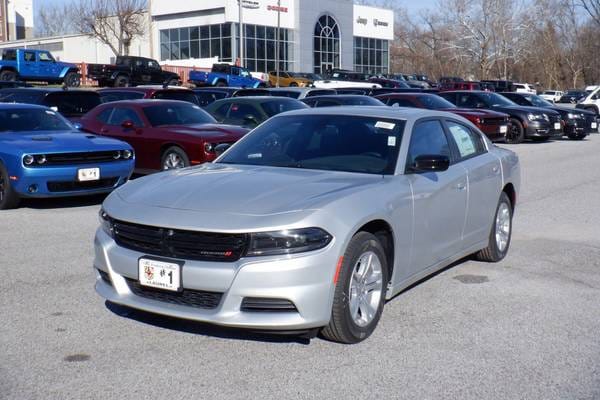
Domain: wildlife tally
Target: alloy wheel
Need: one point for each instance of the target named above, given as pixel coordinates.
(502, 226)
(173, 161)
(366, 288)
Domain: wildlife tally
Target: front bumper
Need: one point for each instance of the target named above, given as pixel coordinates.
(542, 129)
(495, 132)
(304, 279)
(61, 181)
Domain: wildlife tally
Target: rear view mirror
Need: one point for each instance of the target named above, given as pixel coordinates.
(431, 163)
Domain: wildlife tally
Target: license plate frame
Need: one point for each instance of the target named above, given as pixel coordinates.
(88, 174)
(557, 126)
(503, 128)
(594, 125)
(154, 272)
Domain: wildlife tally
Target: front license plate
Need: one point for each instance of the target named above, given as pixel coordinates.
(159, 274)
(594, 125)
(503, 129)
(88, 174)
(556, 126)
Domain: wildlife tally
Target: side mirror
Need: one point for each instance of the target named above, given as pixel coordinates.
(127, 124)
(221, 148)
(431, 163)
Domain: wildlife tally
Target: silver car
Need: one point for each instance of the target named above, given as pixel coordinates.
(310, 222)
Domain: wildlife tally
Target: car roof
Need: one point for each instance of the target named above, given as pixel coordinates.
(404, 113)
(146, 102)
(20, 106)
(143, 89)
(338, 96)
(47, 90)
(251, 99)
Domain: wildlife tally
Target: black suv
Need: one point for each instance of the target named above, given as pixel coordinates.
(72, 104)
(132, 71)
(576, 123)
(526, 122)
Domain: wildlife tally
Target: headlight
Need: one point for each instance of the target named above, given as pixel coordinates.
(209, 147)
(106, 222)
(574, 116)
(533, 117)
(546, 117)
(28, 159)
(287, 241)
(117, 155)
(40, 159)
(127, 154)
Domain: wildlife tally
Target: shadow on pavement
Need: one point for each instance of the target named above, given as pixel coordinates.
(62, 202)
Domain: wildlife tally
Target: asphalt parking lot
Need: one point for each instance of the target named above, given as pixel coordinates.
(526, 328)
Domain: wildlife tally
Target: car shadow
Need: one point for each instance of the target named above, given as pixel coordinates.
(199, 328)
(62, 202)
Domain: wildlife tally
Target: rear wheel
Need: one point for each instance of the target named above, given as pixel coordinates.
(8, 197)
(122, 81)
(173, 82)
(174, 158)
(360, 291)
(8, 76)
(499, 240)
(516, 133)
(72, 79)
(293, 84)
(221, 84)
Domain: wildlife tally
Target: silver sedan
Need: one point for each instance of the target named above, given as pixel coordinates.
(310, 222)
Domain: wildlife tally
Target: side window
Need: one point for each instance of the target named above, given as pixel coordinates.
(104, 116)
(121, 115)
(240, 113)
(428, 138)
(29, 56)
(327, 103)
(221, 112)
(469, 101)
(401, 103)
(310, 103)
(468, 143)
(45, 57)
(9, 55)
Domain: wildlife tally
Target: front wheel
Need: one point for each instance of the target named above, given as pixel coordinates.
(516, 133)
(121, 81)
(8, 76)
(8, 197)
(360, 291)
(72, 79)
(173, 82)
(174, 158)
(499, 240)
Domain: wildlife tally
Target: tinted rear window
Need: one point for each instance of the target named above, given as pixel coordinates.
(107, 97)
(72, 103)
(176, 95)
(278, 106)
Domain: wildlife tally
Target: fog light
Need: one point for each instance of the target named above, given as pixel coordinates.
(28, 159)
(117, 155)
(32, 188)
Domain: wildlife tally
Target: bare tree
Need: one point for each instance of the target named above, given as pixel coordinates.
(593, 9)
(114, 22)
(54, 20)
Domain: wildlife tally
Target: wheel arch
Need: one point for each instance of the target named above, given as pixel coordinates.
(510, 191)
(385, 233)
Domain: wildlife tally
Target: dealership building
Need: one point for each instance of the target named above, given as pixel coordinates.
(314, 36)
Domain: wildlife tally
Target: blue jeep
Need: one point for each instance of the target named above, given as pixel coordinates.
(38, 66)
(225, 75)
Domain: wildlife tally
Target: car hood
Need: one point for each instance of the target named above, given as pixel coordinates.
(216, 132)
(566, 110)
(475, 112)
(223, 190)
(527, 109)
(60, 142)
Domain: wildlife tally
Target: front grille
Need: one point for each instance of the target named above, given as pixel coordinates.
(187, 297)
(91, 157)
(73, 186)
(264, 304)
(189, 245)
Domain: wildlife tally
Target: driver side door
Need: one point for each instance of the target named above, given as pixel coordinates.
(132, 135)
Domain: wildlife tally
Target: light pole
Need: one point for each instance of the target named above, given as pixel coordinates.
(241, 27)
(277, 41)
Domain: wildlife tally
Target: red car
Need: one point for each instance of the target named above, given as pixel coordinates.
(463, 85)
(147, 92)
(165, 134)
(494, 124)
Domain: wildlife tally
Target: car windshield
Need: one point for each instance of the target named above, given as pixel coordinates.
(274, 107)
(434, 102)
(574, 93)
(362, 101)
(177, 114)
(323, 142)
(497, 100)
(30, 120)
(539, 101)
(188, 96)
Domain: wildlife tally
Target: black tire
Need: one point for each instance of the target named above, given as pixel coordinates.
(8, 76)
(293, 84)
(177, 152)
(173, 82)
(72, 79)
(221, 84)
(121, 81)
(8, 197)
(576, 137)
(516, 133)
(492, 253)
(342, 328)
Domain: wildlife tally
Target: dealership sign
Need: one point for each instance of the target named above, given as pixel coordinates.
(373, 22)
(3, 32)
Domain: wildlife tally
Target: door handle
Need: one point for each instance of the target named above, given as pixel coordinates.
(461, 186)
(495, 169)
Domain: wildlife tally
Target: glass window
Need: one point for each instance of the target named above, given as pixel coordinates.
(29, 56)
(185, 50)
(30, 120)
(226, 30)
(195, 49)
(45, 57)
(204, 32)
(204, 49)
(121, 115)
(243, 114)
(72, 103)
(428, 138)
(221, 112)
(184, 34)
(105, 115)
(184, 114)
(274, 107)
(194, 33)
(107, 97)
(215, 31)
(326, 44)
(371, 55)
(226, 49)
(174, 35)
(215, 48)
(468, 143)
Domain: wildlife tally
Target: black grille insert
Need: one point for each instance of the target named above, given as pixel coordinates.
(72, 186)
(264, 304)
(189, 245)
(187, 297)
(90, 157)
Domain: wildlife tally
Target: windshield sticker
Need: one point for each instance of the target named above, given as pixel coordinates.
(391, 141)
(255, 155)
(463, 140)
(50, 112)
(384, 125)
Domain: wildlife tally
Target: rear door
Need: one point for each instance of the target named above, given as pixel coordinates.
(483, 180)
(29, 67)
(440, 198)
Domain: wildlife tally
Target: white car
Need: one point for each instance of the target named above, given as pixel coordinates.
(591, 102)
(552, 95)
(524, 88)
(334, 84)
